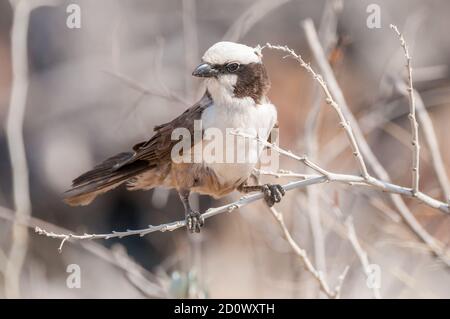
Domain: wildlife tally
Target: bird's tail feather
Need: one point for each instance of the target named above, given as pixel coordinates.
(104, 177)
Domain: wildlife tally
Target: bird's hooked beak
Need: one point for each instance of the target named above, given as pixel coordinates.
(205, 70)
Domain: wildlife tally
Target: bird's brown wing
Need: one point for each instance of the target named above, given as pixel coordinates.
(158, 148)
(124, 166)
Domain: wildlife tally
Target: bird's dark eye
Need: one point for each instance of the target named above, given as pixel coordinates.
(232, 67)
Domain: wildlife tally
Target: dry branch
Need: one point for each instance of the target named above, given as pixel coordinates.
(352, 180)
(16, 145)
(350, 233)
(133, 84)
(360, 252)
(433, 147)
(412, 115)
(250, 17)
(245, 200)
(317, 274)
(367, 152)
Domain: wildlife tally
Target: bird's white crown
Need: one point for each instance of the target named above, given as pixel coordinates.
(225, 52)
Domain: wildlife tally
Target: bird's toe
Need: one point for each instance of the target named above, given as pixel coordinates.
(194, 221)
(273, 193)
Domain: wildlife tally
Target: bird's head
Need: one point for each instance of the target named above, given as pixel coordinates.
(234, 71)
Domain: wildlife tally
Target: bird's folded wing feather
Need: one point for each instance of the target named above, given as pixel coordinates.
(159, 147)
(124, 166)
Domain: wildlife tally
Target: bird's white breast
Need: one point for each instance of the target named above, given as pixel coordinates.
(247, 117)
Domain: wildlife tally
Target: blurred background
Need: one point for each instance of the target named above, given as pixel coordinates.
(97, 90)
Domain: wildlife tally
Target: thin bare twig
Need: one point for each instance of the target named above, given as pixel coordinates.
(190, 40)
(412, 115)
(430, 140)
(432, 144)
(317, 274)
(16, 145)
(350, 233)
(278, 149)
(135, 275)
(360, 252)
(283, 173)
(133, 84)
(250, 17)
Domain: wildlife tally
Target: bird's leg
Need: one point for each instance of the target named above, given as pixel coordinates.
(272, 192)
(194, 220)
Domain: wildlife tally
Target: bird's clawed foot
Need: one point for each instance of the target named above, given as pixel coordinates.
(273, 193)
(194, 221)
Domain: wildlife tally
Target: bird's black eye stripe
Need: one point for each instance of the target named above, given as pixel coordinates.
(232, 67)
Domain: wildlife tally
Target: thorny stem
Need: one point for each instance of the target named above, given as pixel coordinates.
(412, 115)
